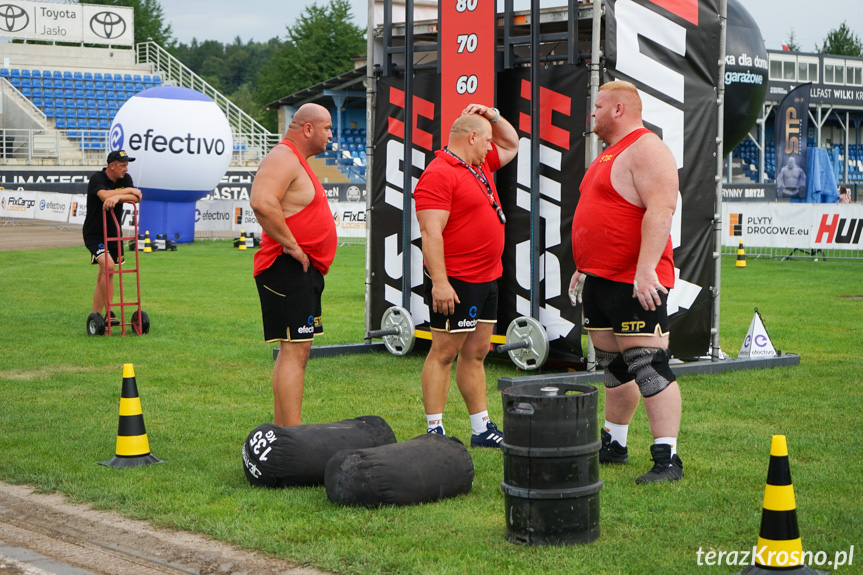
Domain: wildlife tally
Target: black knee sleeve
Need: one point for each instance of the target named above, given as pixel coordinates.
(614, 367)
(649, 366)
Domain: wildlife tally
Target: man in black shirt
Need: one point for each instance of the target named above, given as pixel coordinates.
(108, 189)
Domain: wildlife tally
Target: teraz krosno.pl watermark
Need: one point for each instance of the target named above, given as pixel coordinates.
(764, 556)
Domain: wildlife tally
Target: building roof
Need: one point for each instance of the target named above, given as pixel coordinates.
(349, 84)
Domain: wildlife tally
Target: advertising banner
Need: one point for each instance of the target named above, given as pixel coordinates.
(213, 216)
(63, 22)
(78, 209)
(791, 125)
(800, 226)
(350, 218)
(244, 219)
(15, 204)
(670, 50)
(52, 207)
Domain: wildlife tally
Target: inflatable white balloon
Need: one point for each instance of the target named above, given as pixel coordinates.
(182, 145)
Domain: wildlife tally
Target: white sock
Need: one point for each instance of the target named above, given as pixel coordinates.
(479, 421)
(618, 432)
(434, 420)
(672, 441)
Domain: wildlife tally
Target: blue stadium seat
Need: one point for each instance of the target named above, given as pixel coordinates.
(91, 103)
(137, 78)
(49, 112)
(102, 112)
(157, 80)
(99, 85)
(49, 102)
(37, 101)
(47, 83)
(15, 81)
(89, 85)
(26, 82)
(104, 124)
(112, 105)
(147, 79)
(93, 123)
(118, 77)
(36, 82)
(90, 94)
(57, 74)
(37, 92)
(4, 73)
(67, 92)
(67, 75)
(36, 74)
(100, 96)
(25, 73)
(67, 83)
(92, 113)
(139, 87)
(78, 76)
(127, 78)
(110, 94)
(61, 123)
(97, 76)
(27, 92)
(79, 84)
(81, 113)
(88, 76)
(79, 93)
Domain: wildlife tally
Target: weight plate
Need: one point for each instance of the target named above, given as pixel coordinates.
(527, 329)
(398, 318)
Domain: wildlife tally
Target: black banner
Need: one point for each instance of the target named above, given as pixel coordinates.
(791, 126)
(670, 50)
(562, 112)
(562, 117)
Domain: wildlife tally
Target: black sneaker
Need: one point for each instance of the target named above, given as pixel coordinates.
(665, 467)
(491, 437)
(612, 451)
(436, 430)
(114, 320)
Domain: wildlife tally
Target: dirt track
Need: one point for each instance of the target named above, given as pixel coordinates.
(105, 543)
(39, 236)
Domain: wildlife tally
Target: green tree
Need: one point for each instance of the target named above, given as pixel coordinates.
(318, 46)
(149, 20)
(791, 42)
(842, 42)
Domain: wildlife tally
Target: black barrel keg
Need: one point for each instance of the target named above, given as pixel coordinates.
(551, 463)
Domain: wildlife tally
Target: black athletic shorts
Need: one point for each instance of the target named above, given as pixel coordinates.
(98, 249)
(609, 305)
(478, 303)
(290, 300)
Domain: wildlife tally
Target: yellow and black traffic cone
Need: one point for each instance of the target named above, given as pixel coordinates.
(133, 449)
(779, 548)
(148, 245)
(242, 244)
(741, 256)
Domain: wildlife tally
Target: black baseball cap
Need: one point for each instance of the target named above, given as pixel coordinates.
(119, 156)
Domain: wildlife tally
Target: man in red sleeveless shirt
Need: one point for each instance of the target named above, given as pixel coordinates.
(297, 247)
(462, 227)
(623, 255)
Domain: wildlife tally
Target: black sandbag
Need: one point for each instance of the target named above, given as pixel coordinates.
(428, 467)
(275, 456)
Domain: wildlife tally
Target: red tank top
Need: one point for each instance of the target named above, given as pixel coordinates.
(313, 228)
(606, 228)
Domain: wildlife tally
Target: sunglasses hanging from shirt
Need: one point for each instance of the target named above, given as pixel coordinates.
(482, 179)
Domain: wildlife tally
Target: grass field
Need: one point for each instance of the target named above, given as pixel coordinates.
(203, 374)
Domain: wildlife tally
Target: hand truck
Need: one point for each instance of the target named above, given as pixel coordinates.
(139, 321)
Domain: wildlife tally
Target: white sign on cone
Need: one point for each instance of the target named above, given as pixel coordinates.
(757, 343)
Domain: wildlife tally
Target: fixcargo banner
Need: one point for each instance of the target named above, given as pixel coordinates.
(670, 50)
